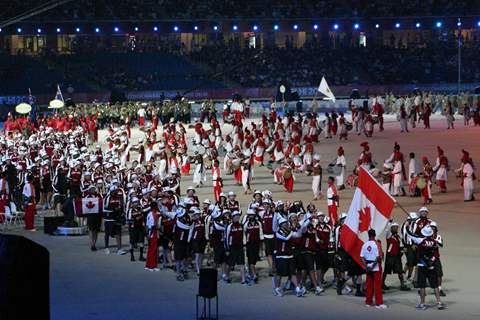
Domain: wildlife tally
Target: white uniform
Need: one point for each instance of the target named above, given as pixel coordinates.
(397, 177)
(412, 170)
(340, 179)
(467, 171)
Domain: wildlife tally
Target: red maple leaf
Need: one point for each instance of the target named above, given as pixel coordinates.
(364, 219)
(90, 205)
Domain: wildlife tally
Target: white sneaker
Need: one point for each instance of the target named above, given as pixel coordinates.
(107, 251)
(319, 290)
(121, 252)
(381, 306)
(278, 292)
(300, 292)
(348, 289)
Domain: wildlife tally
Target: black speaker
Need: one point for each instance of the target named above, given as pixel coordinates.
(24, 277)
(50, 224)
(207, 286)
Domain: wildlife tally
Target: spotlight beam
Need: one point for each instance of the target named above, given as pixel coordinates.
(33, 12)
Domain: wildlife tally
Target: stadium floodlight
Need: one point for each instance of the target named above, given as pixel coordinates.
(97, 30)
(478, 23)
(136, 29)
(215, 28)
(418, 25)
(397, 25)
(19, 30)
(39, 30)
(175, 28)
(116, 29)
(439, 24)
(335, 26)
(195, 28)
(255, 27)
(235, 28)
(377, 26)
(155, 28)
(356, 26)
(0, 29)
(459, 24)
(276, 27)
(295, 27)
(77, 29)
(59, 30)
(315, 27)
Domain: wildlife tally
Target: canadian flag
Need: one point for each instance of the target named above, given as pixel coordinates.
(371, 208)
(86, 206)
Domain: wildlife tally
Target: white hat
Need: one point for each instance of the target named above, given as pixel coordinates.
(250, 211)
(279, 203)
(207, 201)
(394, 224)
(216, 213)
(320, 213)
(236, 213)
(231, 193)
(427, 231)
(190, 188)
(423, 209)
(195, 210)
(413, 215)
(316, 156)
(343, 215)
(267, 193)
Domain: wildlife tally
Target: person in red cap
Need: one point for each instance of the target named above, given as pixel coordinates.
(466, 172)
(332, 201)
(366, 156)
(441, 168)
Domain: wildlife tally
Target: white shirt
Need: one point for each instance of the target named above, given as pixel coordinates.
(370, 253)
(141, 112)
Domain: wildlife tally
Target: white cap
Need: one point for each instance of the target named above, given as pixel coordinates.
(343, 215)
(413, 215)
(427, 231)
(423, 209)
(231, 193)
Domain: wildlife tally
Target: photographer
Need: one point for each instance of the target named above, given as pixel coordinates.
(427, 246)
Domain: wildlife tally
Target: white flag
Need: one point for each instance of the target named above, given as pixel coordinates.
(325, 89)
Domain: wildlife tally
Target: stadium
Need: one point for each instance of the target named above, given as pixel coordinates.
(119, 118)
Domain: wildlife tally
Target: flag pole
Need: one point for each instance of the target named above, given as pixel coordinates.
(402, 208)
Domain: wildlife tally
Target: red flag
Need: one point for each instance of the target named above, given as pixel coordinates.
(371, 208)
